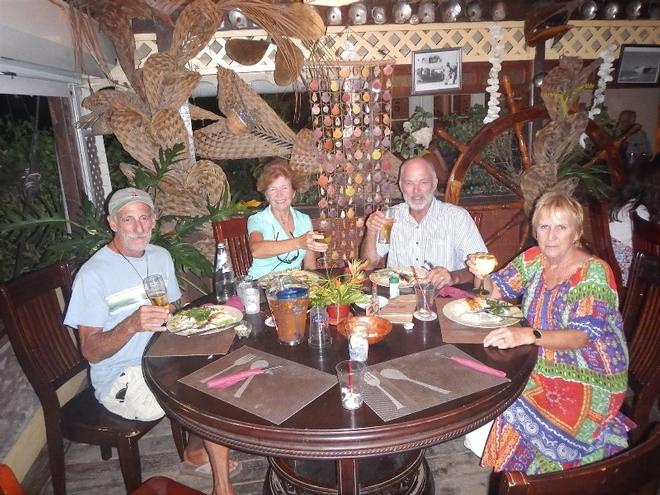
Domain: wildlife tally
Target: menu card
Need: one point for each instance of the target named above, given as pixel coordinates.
(425, 379)
(274, 396)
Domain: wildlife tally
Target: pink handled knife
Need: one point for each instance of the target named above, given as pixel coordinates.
(478, 366)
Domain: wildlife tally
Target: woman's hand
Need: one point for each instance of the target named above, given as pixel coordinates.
(308, 241)
(508, 337)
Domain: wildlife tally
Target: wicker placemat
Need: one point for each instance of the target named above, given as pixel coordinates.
(433, 372)
(274, 397)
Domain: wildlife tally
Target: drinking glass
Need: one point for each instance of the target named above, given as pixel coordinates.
(424, 296)
(288, 299)
(350, 375)
(484, 263)
(386, 230)
(156, 290)
(325, 230)
(248, 292)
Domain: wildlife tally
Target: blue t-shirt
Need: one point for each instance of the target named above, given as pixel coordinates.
(265, 223)
(107, 290)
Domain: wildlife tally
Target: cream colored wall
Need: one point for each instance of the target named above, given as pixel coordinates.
(33, 438)
(644, 101)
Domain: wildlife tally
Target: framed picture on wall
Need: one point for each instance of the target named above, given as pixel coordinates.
(436, 71)
(638, 64)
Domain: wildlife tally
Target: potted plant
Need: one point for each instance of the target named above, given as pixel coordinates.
(337, 293)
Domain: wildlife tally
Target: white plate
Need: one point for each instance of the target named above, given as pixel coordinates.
(382, 301)
(382, 276)
(309, 278)
(219, 318)
(466, 314)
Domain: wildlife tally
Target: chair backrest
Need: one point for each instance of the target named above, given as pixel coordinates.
(645, 235)
(600, 239)
(641, 321)
(634, 470)
(31, 307)
(8, 483)
(233, 233)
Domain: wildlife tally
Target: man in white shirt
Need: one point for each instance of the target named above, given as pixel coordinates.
(425, 230)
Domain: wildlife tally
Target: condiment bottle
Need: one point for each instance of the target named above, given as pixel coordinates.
(225, 286)
(374, 305)
(394, 286)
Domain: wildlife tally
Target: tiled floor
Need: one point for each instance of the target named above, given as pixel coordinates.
(455, 469)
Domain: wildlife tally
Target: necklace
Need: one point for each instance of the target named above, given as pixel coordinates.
(146, 259)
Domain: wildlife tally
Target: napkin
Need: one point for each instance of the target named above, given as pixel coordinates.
(229, 380)
(454, 292)
(234, 302)
(399, 309)
(475, 365)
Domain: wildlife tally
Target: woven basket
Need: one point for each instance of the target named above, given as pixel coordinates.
(207, 179)
(168, 129)
(132, 130)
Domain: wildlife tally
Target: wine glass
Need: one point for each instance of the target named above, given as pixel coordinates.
(484, 263)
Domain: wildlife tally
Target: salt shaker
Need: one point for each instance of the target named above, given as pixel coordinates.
(358, 346)
(374, 305)
(394, 286)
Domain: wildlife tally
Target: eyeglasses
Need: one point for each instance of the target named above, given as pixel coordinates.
(287, 259)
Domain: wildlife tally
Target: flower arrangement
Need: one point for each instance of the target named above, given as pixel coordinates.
(341, 289)
(416, 135)
(604, 76)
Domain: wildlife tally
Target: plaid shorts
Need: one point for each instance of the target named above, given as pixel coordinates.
(131, 398)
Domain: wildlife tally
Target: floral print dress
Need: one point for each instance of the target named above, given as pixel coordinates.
(568, 414)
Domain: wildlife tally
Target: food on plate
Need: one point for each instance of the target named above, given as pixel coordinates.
(406, 277)
(478, 311)
(309, 278)
(202, 319)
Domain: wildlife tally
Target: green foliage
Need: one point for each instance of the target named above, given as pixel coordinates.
(342, 289)
(405, 144)
(147, 180)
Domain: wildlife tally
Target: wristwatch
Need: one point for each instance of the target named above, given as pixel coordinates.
(537, 334)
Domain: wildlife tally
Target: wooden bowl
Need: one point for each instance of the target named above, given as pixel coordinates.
(377, 327)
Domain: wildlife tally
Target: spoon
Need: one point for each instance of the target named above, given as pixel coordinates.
(239, 362)
(373, 380)
(259, 363)
(393, 374)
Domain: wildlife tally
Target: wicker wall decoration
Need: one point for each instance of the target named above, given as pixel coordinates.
(351, 113)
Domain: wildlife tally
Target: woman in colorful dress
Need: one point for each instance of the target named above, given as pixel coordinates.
(280, 236)
(568, 415)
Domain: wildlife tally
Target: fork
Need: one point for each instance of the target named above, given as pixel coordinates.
(374, 381)
(239, 362)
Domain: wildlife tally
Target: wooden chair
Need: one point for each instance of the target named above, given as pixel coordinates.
(641, 321)
(31, 307)
(158, 485)
(632, 471)
(233, 233)
(645, 235)
(601, 240)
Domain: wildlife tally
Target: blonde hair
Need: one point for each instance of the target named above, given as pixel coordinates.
(554, 201)
(275, 169)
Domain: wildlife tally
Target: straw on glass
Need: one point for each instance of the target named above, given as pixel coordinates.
(419, 285)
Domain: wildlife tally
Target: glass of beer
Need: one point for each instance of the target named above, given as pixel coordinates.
(386, 230)
(484, 263)
(156, 290)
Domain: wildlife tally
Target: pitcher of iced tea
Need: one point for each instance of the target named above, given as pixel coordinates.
(288, 299)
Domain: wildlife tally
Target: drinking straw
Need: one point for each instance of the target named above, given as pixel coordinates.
(419, 285)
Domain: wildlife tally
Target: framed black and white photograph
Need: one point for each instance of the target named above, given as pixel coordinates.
(435, 71)
(638, 64)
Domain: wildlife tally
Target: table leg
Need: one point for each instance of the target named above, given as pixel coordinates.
(347, 477)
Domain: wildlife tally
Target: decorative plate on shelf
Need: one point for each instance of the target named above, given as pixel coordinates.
(204, 320)
(406, 277)
(309, 278)
(482, 312)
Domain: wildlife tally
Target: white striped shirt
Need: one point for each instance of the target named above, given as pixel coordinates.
(445, 237)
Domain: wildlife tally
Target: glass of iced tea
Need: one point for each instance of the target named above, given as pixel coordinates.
(288, 299)
(484, 263)
(154, 286)
(386, 230)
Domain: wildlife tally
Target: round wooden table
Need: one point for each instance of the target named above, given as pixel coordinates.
(324, 448)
